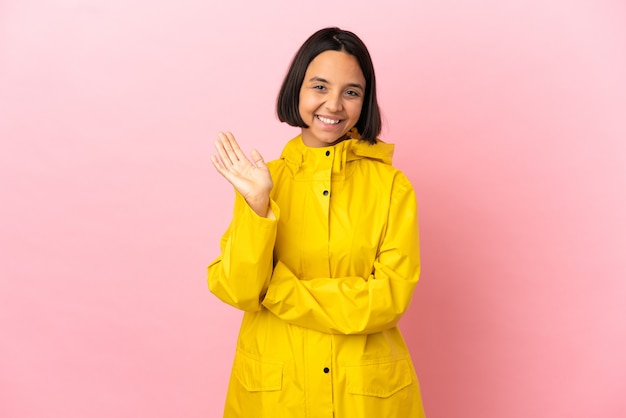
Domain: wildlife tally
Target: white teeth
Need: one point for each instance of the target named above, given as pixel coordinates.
(329, 121)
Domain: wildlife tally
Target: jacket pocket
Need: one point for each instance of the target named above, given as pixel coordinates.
(381, 378)
(256, 374)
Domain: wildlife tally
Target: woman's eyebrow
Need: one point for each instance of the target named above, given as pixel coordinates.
(356, 85)
(319, 79)
(323, 80)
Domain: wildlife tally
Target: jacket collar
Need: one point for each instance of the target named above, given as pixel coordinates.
(296, 152)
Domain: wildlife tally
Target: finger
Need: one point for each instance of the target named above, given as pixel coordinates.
(235, 146)
(227, 174)
(226, 148)
(223, 153)
(257, 158)
(223, 157)
(217, 164)
(240, 154)
(227, 141)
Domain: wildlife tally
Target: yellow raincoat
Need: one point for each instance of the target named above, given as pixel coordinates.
(323, 282)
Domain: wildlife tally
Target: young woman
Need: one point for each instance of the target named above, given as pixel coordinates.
(322, 252)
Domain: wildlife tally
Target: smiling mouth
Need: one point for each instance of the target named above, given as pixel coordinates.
(328, 121)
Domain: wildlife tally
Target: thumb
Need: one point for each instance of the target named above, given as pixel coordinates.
(257, 159)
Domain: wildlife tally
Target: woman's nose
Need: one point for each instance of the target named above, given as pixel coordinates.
(334, 103)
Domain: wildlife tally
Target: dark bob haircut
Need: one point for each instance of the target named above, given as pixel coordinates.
(335, 39)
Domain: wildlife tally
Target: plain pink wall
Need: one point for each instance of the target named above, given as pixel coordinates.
(509, 117)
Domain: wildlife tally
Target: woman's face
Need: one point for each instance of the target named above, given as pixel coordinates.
(331, 98)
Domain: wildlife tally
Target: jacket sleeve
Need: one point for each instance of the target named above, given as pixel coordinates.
(357, 305)
(240, 275)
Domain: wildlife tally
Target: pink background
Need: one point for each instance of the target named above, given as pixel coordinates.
(509, 117)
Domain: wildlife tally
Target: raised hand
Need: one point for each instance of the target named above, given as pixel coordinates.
(250, 177)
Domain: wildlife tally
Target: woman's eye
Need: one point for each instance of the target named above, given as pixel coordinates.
(318, 87)
(352, 93)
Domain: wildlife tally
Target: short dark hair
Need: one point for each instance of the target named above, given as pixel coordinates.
(330, 39)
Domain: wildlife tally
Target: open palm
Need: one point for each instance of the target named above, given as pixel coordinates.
(250, 177)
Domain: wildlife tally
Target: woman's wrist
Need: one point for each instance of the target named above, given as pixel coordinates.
(260, 205)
